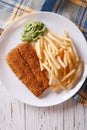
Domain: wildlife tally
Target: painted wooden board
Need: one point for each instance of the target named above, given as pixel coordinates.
(15, 115)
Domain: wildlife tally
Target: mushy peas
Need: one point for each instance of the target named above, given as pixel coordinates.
(33, 31)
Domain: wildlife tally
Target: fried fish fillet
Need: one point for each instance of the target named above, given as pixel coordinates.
(24, 63)
(33, 62)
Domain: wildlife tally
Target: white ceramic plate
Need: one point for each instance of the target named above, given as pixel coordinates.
(12, 36)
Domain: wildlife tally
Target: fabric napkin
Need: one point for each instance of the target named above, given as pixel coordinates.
(75, 10)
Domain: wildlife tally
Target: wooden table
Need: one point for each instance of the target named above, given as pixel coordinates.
(15, 115)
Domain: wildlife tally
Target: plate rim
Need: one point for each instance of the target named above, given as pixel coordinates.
(38, 12)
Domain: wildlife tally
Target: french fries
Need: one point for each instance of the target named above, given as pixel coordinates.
(58, 56)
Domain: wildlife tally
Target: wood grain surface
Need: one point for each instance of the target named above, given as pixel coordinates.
(15, 115)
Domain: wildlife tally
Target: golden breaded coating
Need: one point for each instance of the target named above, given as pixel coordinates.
(20, 65)
(29, 54)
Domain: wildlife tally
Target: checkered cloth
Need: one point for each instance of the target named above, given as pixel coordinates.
(75, 10)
